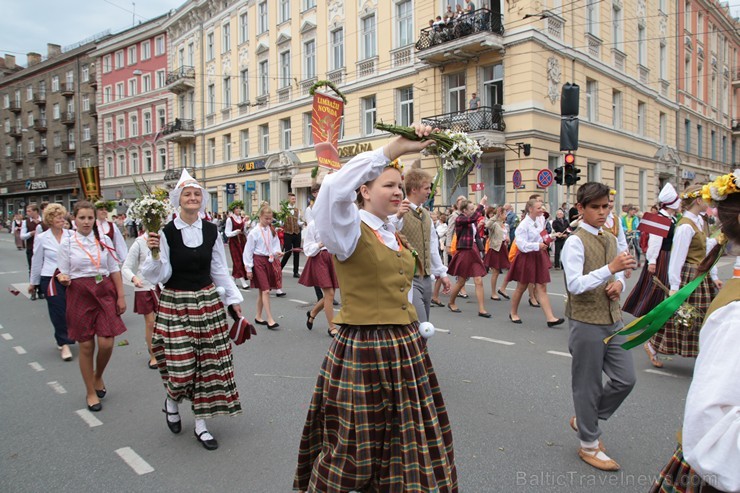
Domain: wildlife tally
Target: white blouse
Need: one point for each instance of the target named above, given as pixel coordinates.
(256, 245)
(528, 235)
(574, 256)
(160, 271)
(134, 260)
(311, 241)
(83, 256)
(229, 230)
(680, 249)
(118, 241)
(45, 251)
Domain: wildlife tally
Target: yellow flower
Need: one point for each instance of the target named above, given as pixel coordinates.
(706, 193)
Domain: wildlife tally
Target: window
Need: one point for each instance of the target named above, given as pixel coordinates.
(148, 168)
(163, 159)
(209, 47)
(107, 60)
(687, 132)
(592, 17)
(284, 13)
(493, 85)
(264, 131)
(285, 69)
(687, 16)
(29, 93)
(211, 101)
(244, 86)
(121, 165)
(146, 83)
(57, 169)
(161, 118)
(85, 102)
(225, 38)
(32, 146)
(724, 148)
(7, 125)
(713, 90)
(663, 67)
(713, 144)
(134, 123)
(227, 93)
(54, 83)
(456, 92)
(135, 163)
(42, 88)
(308, 129)
(146, 50)
(121, 130)
(285, 134)
(191, 54)
(592, 100)
(309, 57)
(661, 7)
(107, 94)
(700, 79)
(406, 106)
(643, 190)
(641, 117)
(367, 47)
(55, 111)
(30, 119)
(147, 122)
(337, 49)
(309, 4)
(227, 147)
(159, 45)
(132, 55)
(618, 186)
(404, 23)
(662, 127)
(368, 115)
(262, 19)
(617, 37)
(699, 143)
(641, 45)
(211, 151)
(687, 75)
(161, 78)
(119, 59)
(243, 28)
(132, 87)
(85, 133)
(109, 166)
(593, 171)
(617, 109)
(6, 101)
(264, 81)
(244, 140)
(265, 191)
(120, 91)
(109, 131)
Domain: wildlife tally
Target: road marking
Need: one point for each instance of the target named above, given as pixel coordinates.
(1, 326)
(88, 418)
(134, 460)
(560, 353)
(7, 337)
(496, 341)
(57, 387)
(19, 349)
(441, 330)
(12, 272)
(661, 372)
(280, 376)
(36, 366)
(300, 301)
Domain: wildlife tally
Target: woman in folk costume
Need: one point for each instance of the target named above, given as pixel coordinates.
(532, 264)
(15, 229)
(262, 260)
(319, 272)
(467, 260)
(191, 333)
(236, 231)
(109, 229)
(44, 270)
(708, 453)
(691, 243)
(146, 294)
(497, 256)
(95, 298)
(646, 295)
(377, 420)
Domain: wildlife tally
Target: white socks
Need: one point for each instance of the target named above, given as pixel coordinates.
(244, 282)
(172, 407)
(200, 427)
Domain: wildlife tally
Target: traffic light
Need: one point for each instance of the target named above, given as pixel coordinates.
(568, 175)
(576, 172)
(569, 101)
(559, 175)
(527, 148)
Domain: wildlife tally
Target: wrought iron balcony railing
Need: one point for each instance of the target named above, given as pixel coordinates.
(484, 118)
(179, 125)
(478, 21)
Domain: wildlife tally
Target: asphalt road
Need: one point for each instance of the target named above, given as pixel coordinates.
(507, 389)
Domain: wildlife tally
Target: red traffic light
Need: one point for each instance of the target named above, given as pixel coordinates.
(569, 158)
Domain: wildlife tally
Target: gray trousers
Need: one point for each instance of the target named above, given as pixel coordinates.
(422, 296)
(594, 400)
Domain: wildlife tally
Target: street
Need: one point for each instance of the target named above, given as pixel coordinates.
(506, 386)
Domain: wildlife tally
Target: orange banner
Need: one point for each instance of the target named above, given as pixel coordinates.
(325, 126)
(90, 180)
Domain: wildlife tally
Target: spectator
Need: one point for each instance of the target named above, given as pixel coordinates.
(474, 102)
(469, 7)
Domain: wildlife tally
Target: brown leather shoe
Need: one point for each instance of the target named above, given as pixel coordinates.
(590, 457)
(574, 425)
(653, 357)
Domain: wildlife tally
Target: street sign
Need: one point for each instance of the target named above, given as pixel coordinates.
(250, 185)
(544, 178)
(517, 179)
(231, 188)
(477, 187)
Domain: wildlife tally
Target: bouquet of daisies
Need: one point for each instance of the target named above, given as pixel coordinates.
(152, 212)
(456, 151)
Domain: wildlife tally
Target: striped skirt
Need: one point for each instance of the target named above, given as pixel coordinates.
(674, 338)
(91, 309)
(646, 295)
(377, 420)
(193, 351)
(677, 477)
(266, 275)
(319, 272)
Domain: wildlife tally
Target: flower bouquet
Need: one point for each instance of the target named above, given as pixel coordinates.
(456, 151)
(152, 212)
(686, 314)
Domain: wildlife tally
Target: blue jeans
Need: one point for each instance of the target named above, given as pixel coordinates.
(57, 310)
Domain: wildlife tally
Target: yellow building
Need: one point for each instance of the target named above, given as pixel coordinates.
(242, 72)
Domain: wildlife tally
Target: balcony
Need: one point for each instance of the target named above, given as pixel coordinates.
(93, 110)
(466, 38)
(92, 78)
(337, 77)
(42, 153)
(39, 124)
(181, 80)
(735, 127)
(16, 132)
(69, 147)
(736, 78)
(94, 141)
(68, 118)
(15, 107)
(179, 131)
(68, 89)
(485, 124)
(16, 157)
(39, 99)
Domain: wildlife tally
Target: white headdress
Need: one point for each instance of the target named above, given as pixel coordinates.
(188, 181)
(668, 197)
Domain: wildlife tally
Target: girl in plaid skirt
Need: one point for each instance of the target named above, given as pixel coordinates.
(377, 420)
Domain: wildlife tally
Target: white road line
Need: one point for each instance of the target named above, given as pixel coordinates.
(134, 460)
(280, 376)
(300, 301)
(441, 330)
(57, 387)
(12, 272)
(496, 341)
(560, 353)
(7, 337)
(88, 418)
(1, 326)
(661, 372)
(36, 366)
(19, 350)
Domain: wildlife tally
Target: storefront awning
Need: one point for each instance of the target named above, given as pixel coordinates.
(304, 180)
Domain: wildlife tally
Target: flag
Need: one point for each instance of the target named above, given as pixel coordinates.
(655, 224)
(157, 136)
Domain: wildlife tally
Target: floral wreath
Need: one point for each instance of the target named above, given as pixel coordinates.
(235, 204)
(719, 189)
(396, 163)
(108, 205)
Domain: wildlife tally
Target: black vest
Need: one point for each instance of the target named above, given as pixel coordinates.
(191, 267)
(668, 240)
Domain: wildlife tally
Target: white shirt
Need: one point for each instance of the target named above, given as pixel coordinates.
(160, 271)
(655, 242)
(308, 214)
(78, 256)
(229, 230)
(438, 268)
(528, 235)
(118, 241)
(25, 234)
(134, 260)
(621, 239)
(311, 241)
(573, 257)
(256, 245)
(711, 427)
(45, 250)
(681, 241)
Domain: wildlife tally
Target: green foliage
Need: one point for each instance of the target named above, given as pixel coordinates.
(283, 213)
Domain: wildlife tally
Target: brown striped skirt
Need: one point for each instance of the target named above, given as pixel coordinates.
(646, 295)
(193, 351)
(677, 339)
(319, 272)
(377, 420)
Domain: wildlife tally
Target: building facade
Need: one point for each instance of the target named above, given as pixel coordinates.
(49, 121)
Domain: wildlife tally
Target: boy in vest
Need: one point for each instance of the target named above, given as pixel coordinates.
(594, 281)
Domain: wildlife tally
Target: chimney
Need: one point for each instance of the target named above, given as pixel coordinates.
(10, 61)
(53, 50)
(32, 59)
(2, 63)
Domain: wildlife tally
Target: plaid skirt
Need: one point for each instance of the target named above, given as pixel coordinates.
(377, 420)
(646, 295)
(91, 309)
(193, 351)
(266, 275)
(467, 263)
(677, 477)
(497, 260)
(236, 248)
(319, 272)
(677, 339)
(146, 301)
(530, 268)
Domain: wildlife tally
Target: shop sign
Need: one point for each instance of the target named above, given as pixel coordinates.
(354, 149)
(250, 166)
(250, 185)
(36, 185)
(231, 188)
(688, 175)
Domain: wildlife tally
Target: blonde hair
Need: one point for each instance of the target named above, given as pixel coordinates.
(530, 203)
(264, 209)
(690, 196)
(52, 211)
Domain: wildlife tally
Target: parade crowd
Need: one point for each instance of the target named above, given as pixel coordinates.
(377, 420)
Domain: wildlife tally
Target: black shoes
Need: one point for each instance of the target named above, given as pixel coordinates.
(95, 407)
(484, 314)
(335, 303)
(556, 322)
(503, 295)
(211, 444)
(273, 326)
(309, 321)
(436, 303)
(101, 393)
(533, 305)
(260, 322)
(280, 295)
(517, 321)
(175, 427)
(296, 275)
(454, 310)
